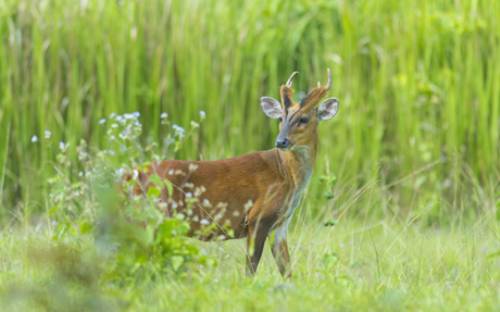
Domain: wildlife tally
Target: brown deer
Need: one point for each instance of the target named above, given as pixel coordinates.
(254, 194)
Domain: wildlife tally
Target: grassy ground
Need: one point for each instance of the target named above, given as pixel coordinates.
(352, 266)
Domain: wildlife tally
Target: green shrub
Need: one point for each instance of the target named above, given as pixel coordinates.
(132, 234)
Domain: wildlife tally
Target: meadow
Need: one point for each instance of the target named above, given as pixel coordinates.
(357, 266)
(402, 209)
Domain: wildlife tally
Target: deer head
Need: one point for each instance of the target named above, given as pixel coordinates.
(299, 120)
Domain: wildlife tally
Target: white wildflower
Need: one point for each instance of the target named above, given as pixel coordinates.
(248, 205)
(222, 206)
(192, 167)
(179, 131)
(198, 191)
(47, 134)
(206, 203)
(218, 216)
(119, 172)
(162, 205)
(34, 139)
(203, 115)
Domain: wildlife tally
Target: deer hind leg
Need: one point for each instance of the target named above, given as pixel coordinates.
(256, 238)
(279, 248)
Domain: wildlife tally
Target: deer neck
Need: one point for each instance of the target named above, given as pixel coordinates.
(298, 162)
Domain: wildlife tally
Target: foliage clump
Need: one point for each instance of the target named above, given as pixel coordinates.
(127, 238)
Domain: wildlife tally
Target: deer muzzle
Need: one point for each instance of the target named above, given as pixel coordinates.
(282, 140)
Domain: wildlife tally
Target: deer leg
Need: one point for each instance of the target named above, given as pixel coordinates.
(279, 248)
(256, 238)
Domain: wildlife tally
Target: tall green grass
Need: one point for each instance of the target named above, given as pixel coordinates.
(418, 82)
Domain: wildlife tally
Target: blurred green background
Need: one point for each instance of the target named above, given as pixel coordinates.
(417, 132)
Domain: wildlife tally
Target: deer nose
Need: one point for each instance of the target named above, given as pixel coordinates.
(283, 143)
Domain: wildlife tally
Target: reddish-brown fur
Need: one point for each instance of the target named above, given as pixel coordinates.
(235, 182)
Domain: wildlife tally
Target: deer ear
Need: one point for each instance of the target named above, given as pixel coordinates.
(271, 107)
(328, 109)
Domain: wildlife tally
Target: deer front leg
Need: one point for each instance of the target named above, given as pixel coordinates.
(279, 248)
(256, 238)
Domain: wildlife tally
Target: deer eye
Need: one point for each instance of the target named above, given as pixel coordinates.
(280, 119)
(303, 120)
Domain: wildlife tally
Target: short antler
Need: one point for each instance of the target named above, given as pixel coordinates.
(286, 91)
(313, 97)
(329, 81)
(290, 80)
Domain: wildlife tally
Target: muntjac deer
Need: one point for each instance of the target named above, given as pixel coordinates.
(254, 194)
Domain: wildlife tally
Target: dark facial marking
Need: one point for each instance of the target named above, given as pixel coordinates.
(287, 101)
(303, 120)
(298, 120)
